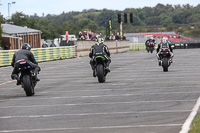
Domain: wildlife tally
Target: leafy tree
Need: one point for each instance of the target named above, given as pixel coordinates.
(165, 20)
(20, 19)
(48, 28)
(155, 20)
(68, 26)
(194, 18)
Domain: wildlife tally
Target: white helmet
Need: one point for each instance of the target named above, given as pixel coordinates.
(164, 40)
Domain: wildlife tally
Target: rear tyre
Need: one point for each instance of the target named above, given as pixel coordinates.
(165, 64)
(100, 73)
(27, 85)
(151, 49)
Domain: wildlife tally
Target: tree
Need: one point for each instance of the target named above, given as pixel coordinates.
(48, 28)
(68, 26)
(92, 26)
(20, 19)
(194, 18)
(165, 20)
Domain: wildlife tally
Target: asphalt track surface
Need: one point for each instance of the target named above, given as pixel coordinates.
(137, 97)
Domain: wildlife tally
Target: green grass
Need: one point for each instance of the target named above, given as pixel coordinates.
(195, 127)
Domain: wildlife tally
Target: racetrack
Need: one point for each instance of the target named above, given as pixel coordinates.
(138, 97)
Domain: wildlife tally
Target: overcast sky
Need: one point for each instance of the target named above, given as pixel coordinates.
(56, 7)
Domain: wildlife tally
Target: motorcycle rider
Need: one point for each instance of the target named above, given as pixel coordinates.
(24, 55)
(165, 43)
(150, 40)
(99, 47)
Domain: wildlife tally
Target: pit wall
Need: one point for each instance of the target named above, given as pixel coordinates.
(83, 47)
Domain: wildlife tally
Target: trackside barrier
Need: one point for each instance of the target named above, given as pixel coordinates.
(138, 47)
(41, 54)
(6, 57)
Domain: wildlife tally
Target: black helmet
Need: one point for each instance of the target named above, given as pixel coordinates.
(26, 46)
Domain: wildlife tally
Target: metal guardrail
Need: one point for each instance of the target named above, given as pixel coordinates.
(41, 54)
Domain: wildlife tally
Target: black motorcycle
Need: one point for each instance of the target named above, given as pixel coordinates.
(165, 59)
(27, 78)
(100, 68)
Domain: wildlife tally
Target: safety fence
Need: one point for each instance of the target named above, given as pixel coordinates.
(40, 54)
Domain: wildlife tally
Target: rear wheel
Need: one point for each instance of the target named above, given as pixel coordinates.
(165, 64)
(28, 88)
(151, 49)
(100, 73)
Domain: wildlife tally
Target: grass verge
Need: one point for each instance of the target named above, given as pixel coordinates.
(195, 127)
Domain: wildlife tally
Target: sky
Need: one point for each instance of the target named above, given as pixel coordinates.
(56, 7)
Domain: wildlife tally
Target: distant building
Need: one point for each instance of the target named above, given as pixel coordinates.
(13, 36)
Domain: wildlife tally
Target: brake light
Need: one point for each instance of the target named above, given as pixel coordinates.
(164, 51)
(23, 62)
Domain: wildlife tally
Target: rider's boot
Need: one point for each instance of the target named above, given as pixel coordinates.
(159, 62)
(15, 76)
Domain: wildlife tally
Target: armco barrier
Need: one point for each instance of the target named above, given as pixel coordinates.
(41, 54)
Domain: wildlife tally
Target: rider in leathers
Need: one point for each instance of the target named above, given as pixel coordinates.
(149, 40)
(24, 55)
(164, 43)
(97, 48)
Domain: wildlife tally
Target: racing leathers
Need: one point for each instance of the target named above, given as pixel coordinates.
(23, 55)
(99, 48)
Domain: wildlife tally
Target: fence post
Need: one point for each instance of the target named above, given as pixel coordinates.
(116, 46)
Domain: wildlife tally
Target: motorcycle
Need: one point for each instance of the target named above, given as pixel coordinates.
(100, 68)
(150, 46)
(165, 59)
(27, 78)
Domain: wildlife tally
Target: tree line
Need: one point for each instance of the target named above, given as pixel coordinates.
(179, 18)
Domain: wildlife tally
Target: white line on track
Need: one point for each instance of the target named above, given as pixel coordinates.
(188, 122)
(88, 114)
(79, 104)
(88, 128)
